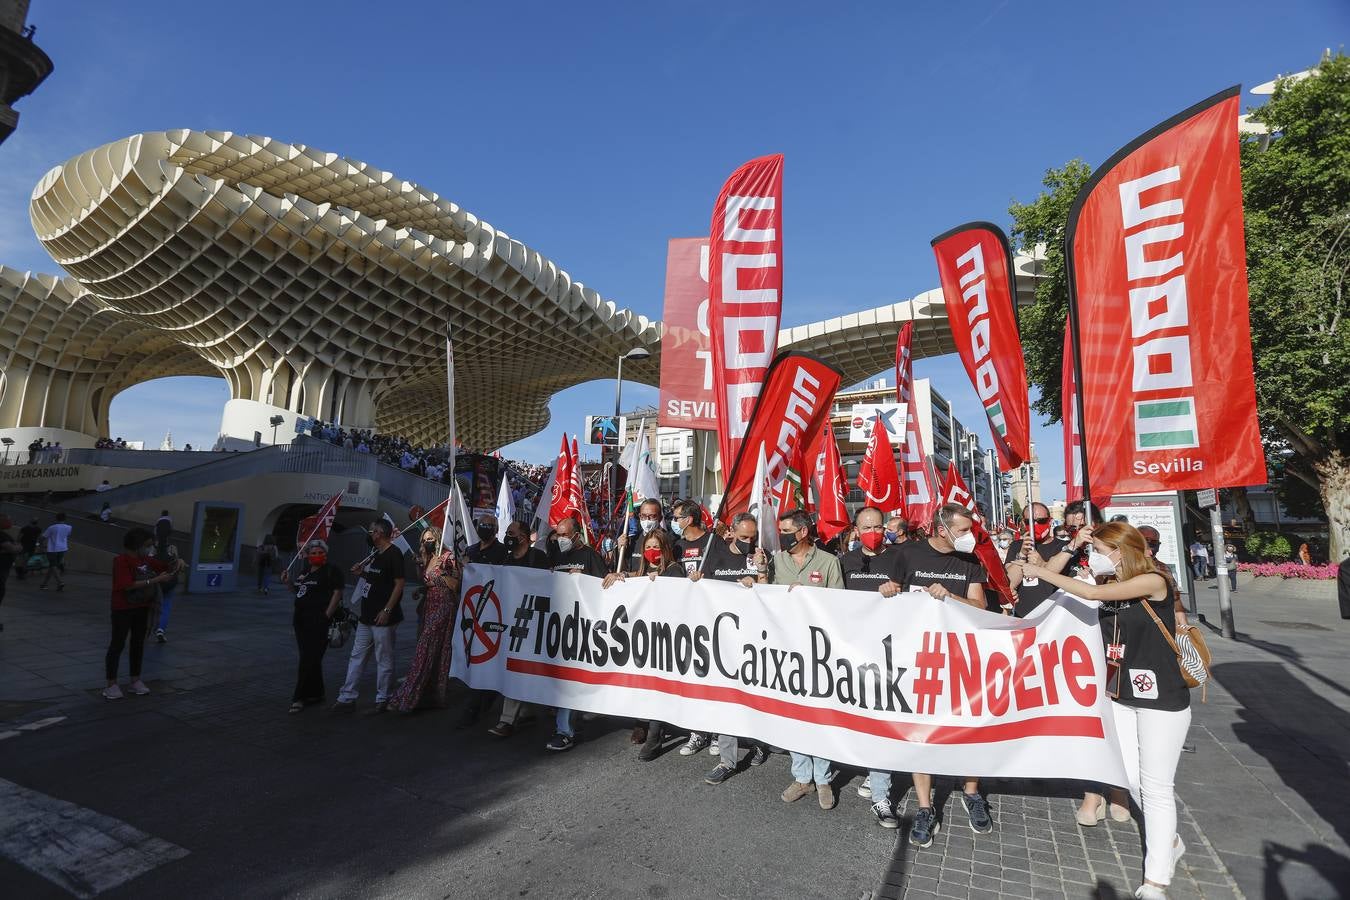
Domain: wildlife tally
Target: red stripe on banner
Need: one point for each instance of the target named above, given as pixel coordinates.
(1041, 726)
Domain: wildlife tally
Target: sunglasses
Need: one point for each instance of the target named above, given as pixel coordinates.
(1042, 520)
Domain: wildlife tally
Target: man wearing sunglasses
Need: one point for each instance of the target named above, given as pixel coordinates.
(1039, 546)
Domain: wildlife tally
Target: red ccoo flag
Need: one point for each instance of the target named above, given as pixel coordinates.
(877, 477)
(954, 490)
(745, 295)
(828, 484)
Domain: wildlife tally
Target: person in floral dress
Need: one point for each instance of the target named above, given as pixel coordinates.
(426, 684)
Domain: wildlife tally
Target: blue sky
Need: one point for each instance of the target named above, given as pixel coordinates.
(596, 131)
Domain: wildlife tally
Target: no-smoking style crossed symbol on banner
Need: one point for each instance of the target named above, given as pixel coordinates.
(479, 606)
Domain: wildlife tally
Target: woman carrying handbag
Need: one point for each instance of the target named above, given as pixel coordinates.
(1152, 708)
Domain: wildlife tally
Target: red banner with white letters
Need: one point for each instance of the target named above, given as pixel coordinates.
(1158, 288)
(687, 399)
(745, 294)
(793, 406)
(954, 490)
(877, 476)
(828, 484)
(915, 471)
(975, 267)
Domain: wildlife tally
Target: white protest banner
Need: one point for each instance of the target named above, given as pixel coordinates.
(903, 684)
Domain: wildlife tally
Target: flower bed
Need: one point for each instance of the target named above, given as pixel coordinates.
(1289, 570)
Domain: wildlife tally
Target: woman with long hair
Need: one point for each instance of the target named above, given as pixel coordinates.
(1152, 708)
(430, 669)
(657, 561)
(318, 597)
(136, 578)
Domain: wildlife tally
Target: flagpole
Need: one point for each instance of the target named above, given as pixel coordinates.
(312, 533)
(1075, 339)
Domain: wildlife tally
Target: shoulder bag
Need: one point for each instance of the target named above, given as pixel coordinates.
(1192, 652)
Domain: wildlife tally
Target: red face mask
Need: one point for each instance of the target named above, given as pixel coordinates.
(1040, 531)
(871, 540)
(652, 555)
(318, 559)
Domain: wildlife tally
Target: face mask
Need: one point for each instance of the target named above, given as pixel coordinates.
(745, 547)
(965, 543)
(892, 535)
(564, 545)
(1155, 546)
(652, 555)
(1062, 536)
(787, 539)
(1003, 544)
(854, 544)
(1100, 564)
(648, 525)
(148, 550)
(317, 559)
(872, 540)
(485, 529)
(1039, 531)
(511, 542)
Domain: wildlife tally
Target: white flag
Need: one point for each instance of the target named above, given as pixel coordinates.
(763, 508)
(506, 509)
(643, 482)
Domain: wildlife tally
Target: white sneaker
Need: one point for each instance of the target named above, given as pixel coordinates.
(865, 790)
(112, 692)
(138, 688)
(695, 743)
(1149, 892)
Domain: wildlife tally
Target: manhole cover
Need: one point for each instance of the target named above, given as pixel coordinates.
(1305, 626)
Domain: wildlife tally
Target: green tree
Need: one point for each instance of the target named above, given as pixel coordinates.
(1296, 189)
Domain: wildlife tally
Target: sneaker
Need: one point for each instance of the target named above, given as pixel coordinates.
(560, 742)
(758, 755)
(885, 815)
(1149, 892)
(159, 635)
(713, 748)
(112, 692)
(695, 743)
(797, 791)
(343, 706)
(138, 688)
(379, 708)
(501, 729)
(296, 707)
(825, 794)
(719, 774)
(925, 826)
(978, 809)
(865, 789)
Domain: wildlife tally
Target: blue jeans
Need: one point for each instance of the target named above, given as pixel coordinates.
(564, 723)
(880, 783)
(165, 604)
(806, 769)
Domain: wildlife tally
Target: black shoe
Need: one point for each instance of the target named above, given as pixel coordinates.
(379, 708)
(560, 742)
(343, 706)
(651, 748)
(925, 826)
(978, 809)
(758, 755)
(719, 774)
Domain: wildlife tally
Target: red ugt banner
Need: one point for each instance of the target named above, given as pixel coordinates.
(975, 266)
(1158, 291)
(793, 407)
(745, 294)
(687, 399)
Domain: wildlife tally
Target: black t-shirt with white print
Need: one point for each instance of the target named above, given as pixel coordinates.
(867, 573)
(384, 568)
(1028, 598)
(921, 565)
(314, 589)
(691, 553)
(1150, 675)
(724, 565)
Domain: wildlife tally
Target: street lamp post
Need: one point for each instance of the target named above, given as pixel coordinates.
(636, 353)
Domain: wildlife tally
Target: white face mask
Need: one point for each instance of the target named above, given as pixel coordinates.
(854, 544)
(564, 545)
(648, 525)
(1100, 564)
(1003, 544)
(965, 543)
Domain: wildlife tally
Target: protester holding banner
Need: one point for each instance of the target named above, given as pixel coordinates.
(742, 562)
(801, 562)
(693, 542)
(488, 550)
(431, 659)
(519, 552)
(318, 596)
(569, 553)
(1152, 708)
(1038, 545)
(943, 566)
(649, 516)
(384, 574)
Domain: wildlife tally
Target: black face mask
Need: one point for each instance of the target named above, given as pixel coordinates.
(485, 530)
(511, 542)
(746, 547)
(370, 541)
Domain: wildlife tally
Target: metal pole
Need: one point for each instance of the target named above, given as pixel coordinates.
(1221, 572)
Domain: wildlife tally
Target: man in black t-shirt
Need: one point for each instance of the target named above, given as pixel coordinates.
(384, 574)
(943, 566)
(488, 550)
(1041, 542)
(569, 552)
(743, 562)
(692, 541)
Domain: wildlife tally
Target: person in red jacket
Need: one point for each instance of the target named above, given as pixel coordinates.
(133, 570)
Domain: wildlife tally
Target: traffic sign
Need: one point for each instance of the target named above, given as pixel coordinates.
(1208, 498)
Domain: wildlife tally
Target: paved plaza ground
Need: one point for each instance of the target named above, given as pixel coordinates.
(207, 788)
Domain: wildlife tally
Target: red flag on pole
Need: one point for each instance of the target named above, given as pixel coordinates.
(1158, 305)
(877, 477)
(954, 490)
(576, 496)
(745, 294)
(917, 475)
(828, 484)
(318, 526)
(795, 402)
(975, 267)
